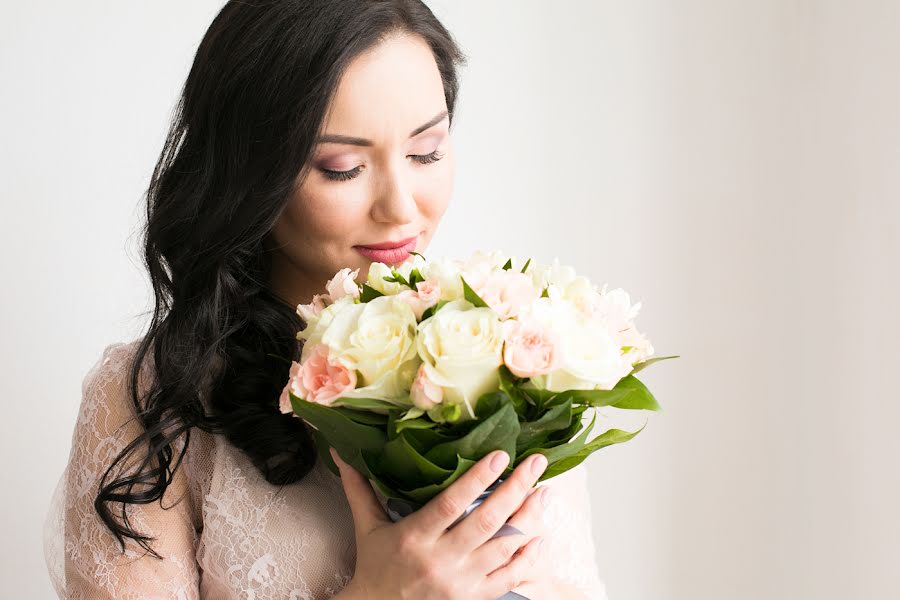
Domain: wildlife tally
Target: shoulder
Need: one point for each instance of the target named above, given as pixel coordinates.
(105, 387)
(113, 364)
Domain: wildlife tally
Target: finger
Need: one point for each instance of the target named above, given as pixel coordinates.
(489, 516)
(367, 511)
(441, 511)
(529, 517)
(513, 574)
(497, 552)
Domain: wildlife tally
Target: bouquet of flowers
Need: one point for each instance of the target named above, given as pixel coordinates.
(426, 367)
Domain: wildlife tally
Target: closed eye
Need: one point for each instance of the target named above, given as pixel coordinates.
(423, 159)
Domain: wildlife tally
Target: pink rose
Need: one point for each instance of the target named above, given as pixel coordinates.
(321, 378)
(507, 292)
(343, 284)
(427, 295)
(314, 308)
(530, 348)
(425, 394)
(284, 403)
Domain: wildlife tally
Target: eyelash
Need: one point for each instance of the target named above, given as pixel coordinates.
(422, 159)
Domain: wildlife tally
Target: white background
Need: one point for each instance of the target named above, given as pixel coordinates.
(734, 165)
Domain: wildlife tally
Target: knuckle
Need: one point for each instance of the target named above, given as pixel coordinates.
(407, 543)
(447, 507)
(488, 522)
(485, 477)
(430, 573)
(508, 548)
(521, 485)
(514, 577)
(435, 578)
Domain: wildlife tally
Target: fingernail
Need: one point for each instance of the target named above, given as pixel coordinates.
(499, 461)
(538, 463)
(546, 496)
(335, 457)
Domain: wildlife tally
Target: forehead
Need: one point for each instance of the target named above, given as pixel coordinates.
(387, 91)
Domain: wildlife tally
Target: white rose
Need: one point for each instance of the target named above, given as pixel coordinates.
(591, 356)
(377, 272)
(480, 265)
(446, 272)
(318, 323)
(377, 339)
(461, 347)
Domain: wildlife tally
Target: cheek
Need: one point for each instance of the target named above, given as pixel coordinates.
(318, 217)
(436, 191)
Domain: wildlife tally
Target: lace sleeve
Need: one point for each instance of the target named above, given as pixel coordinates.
(83, 557)
(570, 542)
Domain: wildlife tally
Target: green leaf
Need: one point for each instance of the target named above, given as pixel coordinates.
(433, 309)
(564, 435)
(471, 296)
(399, 278)
(541, 398)
(412, 413)
(629, 393)
(425, 439)
(525, 268)
(402, 425)
(362, 416)
(322, 447)
(607, 438)
(508, 385)
(403, 463)
(498, 431)
(339, 430)
(369, 293)
(423, 494)
(534, 432)
(366, 403)
(643, 365)
(508, 265)
(561, 451)
(414, 277)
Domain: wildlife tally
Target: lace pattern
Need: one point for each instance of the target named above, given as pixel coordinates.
(225, 532)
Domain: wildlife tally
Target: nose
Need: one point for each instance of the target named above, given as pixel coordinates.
(395, 201)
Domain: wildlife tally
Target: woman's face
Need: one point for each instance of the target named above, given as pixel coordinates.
(390, 182)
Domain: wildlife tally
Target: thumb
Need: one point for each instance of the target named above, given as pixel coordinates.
(367, 511)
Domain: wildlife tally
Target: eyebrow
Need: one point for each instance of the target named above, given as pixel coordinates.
(355, 141)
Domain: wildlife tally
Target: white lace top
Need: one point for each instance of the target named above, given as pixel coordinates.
(225, 531)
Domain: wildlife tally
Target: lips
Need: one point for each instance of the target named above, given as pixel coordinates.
(389, 245)
(389, 253)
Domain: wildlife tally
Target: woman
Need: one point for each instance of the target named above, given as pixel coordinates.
(306, 132)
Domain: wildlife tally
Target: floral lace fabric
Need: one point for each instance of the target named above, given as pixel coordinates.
(223, 531)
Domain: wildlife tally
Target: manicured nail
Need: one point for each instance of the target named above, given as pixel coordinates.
(499, 461)
(546, 496)
(538, 463)
(335, 457)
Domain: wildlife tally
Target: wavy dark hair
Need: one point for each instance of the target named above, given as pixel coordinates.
(239, 142)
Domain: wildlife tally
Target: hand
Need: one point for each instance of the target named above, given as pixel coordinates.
(418, 557)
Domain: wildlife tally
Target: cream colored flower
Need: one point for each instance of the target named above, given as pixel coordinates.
(461, 348)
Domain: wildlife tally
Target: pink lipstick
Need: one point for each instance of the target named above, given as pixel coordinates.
(388, 252)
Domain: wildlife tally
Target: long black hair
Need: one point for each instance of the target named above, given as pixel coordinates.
(239, 142)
